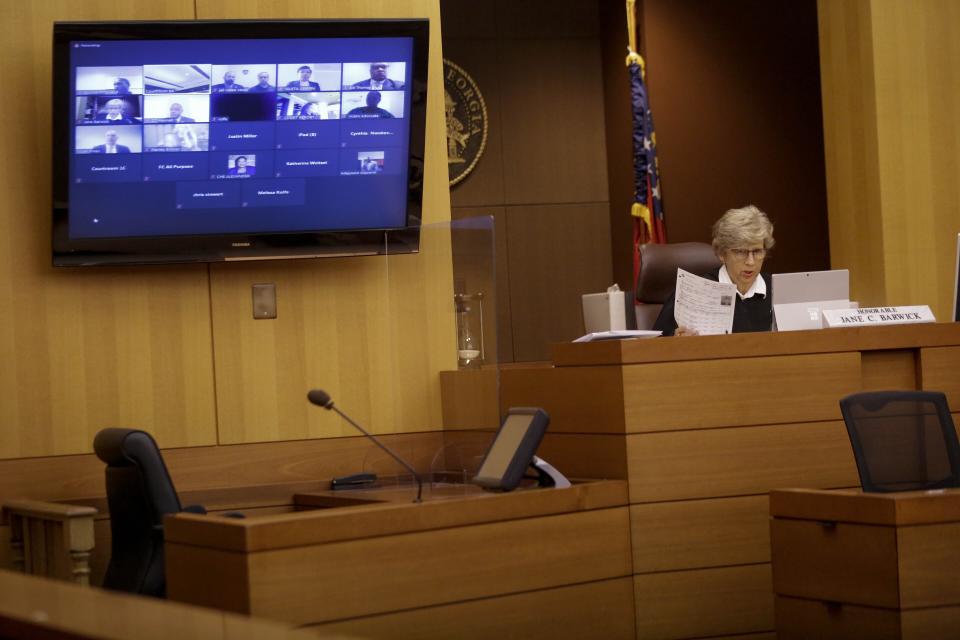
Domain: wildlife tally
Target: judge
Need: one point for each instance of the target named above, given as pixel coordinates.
(742, 239)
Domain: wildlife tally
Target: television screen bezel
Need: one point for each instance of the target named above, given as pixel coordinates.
(229, 247)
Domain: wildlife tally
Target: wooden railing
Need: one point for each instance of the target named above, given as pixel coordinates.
(51, 539)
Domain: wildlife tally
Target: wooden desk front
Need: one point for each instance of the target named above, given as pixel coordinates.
(540, 563)
(848, 564)
(703, 428)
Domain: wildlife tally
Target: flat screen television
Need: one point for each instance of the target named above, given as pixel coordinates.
(203, 141)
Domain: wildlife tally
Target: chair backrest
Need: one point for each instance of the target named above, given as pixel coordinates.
(658, 274)
(139, 493)
(902, 440)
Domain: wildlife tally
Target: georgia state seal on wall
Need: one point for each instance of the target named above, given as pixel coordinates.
(466, 121)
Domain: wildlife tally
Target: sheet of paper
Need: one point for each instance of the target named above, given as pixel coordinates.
(618, 335)
(703, 305)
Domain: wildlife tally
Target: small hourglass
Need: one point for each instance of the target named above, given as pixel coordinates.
(469, 309)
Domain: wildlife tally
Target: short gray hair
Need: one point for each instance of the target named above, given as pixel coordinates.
(742, 227)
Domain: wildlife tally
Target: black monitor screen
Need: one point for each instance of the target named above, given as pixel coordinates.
(213, 135)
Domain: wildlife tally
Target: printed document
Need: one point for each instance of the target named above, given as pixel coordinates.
(704, 305)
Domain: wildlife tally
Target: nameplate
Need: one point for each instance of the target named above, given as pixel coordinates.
(877, 316)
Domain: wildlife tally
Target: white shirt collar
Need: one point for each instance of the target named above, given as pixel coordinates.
(759, 286)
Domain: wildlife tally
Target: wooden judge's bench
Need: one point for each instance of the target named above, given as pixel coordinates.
(702, 428)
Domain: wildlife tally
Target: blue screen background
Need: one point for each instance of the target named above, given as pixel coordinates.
(306, 177)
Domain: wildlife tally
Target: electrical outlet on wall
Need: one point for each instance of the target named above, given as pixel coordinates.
(264, 301)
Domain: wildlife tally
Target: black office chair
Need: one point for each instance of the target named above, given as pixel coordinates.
(902, 440)
(139, 493)
(658, 274)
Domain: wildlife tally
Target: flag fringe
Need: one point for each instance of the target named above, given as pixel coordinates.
(642, 211)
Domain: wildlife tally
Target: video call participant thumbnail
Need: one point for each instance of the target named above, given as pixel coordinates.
(372, 109)
(116, 112)
(229, 84)
(241, 166)
(107, 139)
(176, 78)
(263, 84)
(304, 83)
(176, 137)
(378, 79)
(114, 81)
(111, 144)
(236, 107)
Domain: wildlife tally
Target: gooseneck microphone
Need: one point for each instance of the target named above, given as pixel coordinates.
(321, 398)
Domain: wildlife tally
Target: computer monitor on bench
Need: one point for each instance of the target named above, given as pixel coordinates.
(800, 298)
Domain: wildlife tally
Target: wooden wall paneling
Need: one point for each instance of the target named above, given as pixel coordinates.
(461, 19)
(843, 563)
(694, 534)
(919, 150)
(472, 274)
(938, 372)
(586, 455)
(893, 369)
(924, 552)
(82, 349)
(33, 608)
(707, 602)
(373, 331)
(477, 55)
(553, 144)
(585, 546)
(850, 146)
(546, 19)
(798, 619)
(69, 478)
(795, 389)
(738, 461)
(601, 609)
(887, 153)
(735, 95)
(557, 253)
(470, 398)
(578, 399)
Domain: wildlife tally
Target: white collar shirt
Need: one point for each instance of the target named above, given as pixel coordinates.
(759, 285)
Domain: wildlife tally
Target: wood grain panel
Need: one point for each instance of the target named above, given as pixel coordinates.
(372, 331)
(557, 253)
(853, 505)
(592, 610)
(799, 619)
(695, 534)
(82, 349)
(540, 166)
(483, 187)
(377, 513)
(586, 455)
(36, 609)
(795, 389)
(850, 144)
(69, 478)
(708, 602)
(884, 119)
(373, 575)
(470, 398)
(839, 562)
(578, 399)
(924, 554)
(882, 370)
(741, 345)
(738, 461)
(917, 103)
(938, 372)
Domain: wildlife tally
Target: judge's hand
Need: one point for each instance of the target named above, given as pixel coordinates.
(683, 331)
